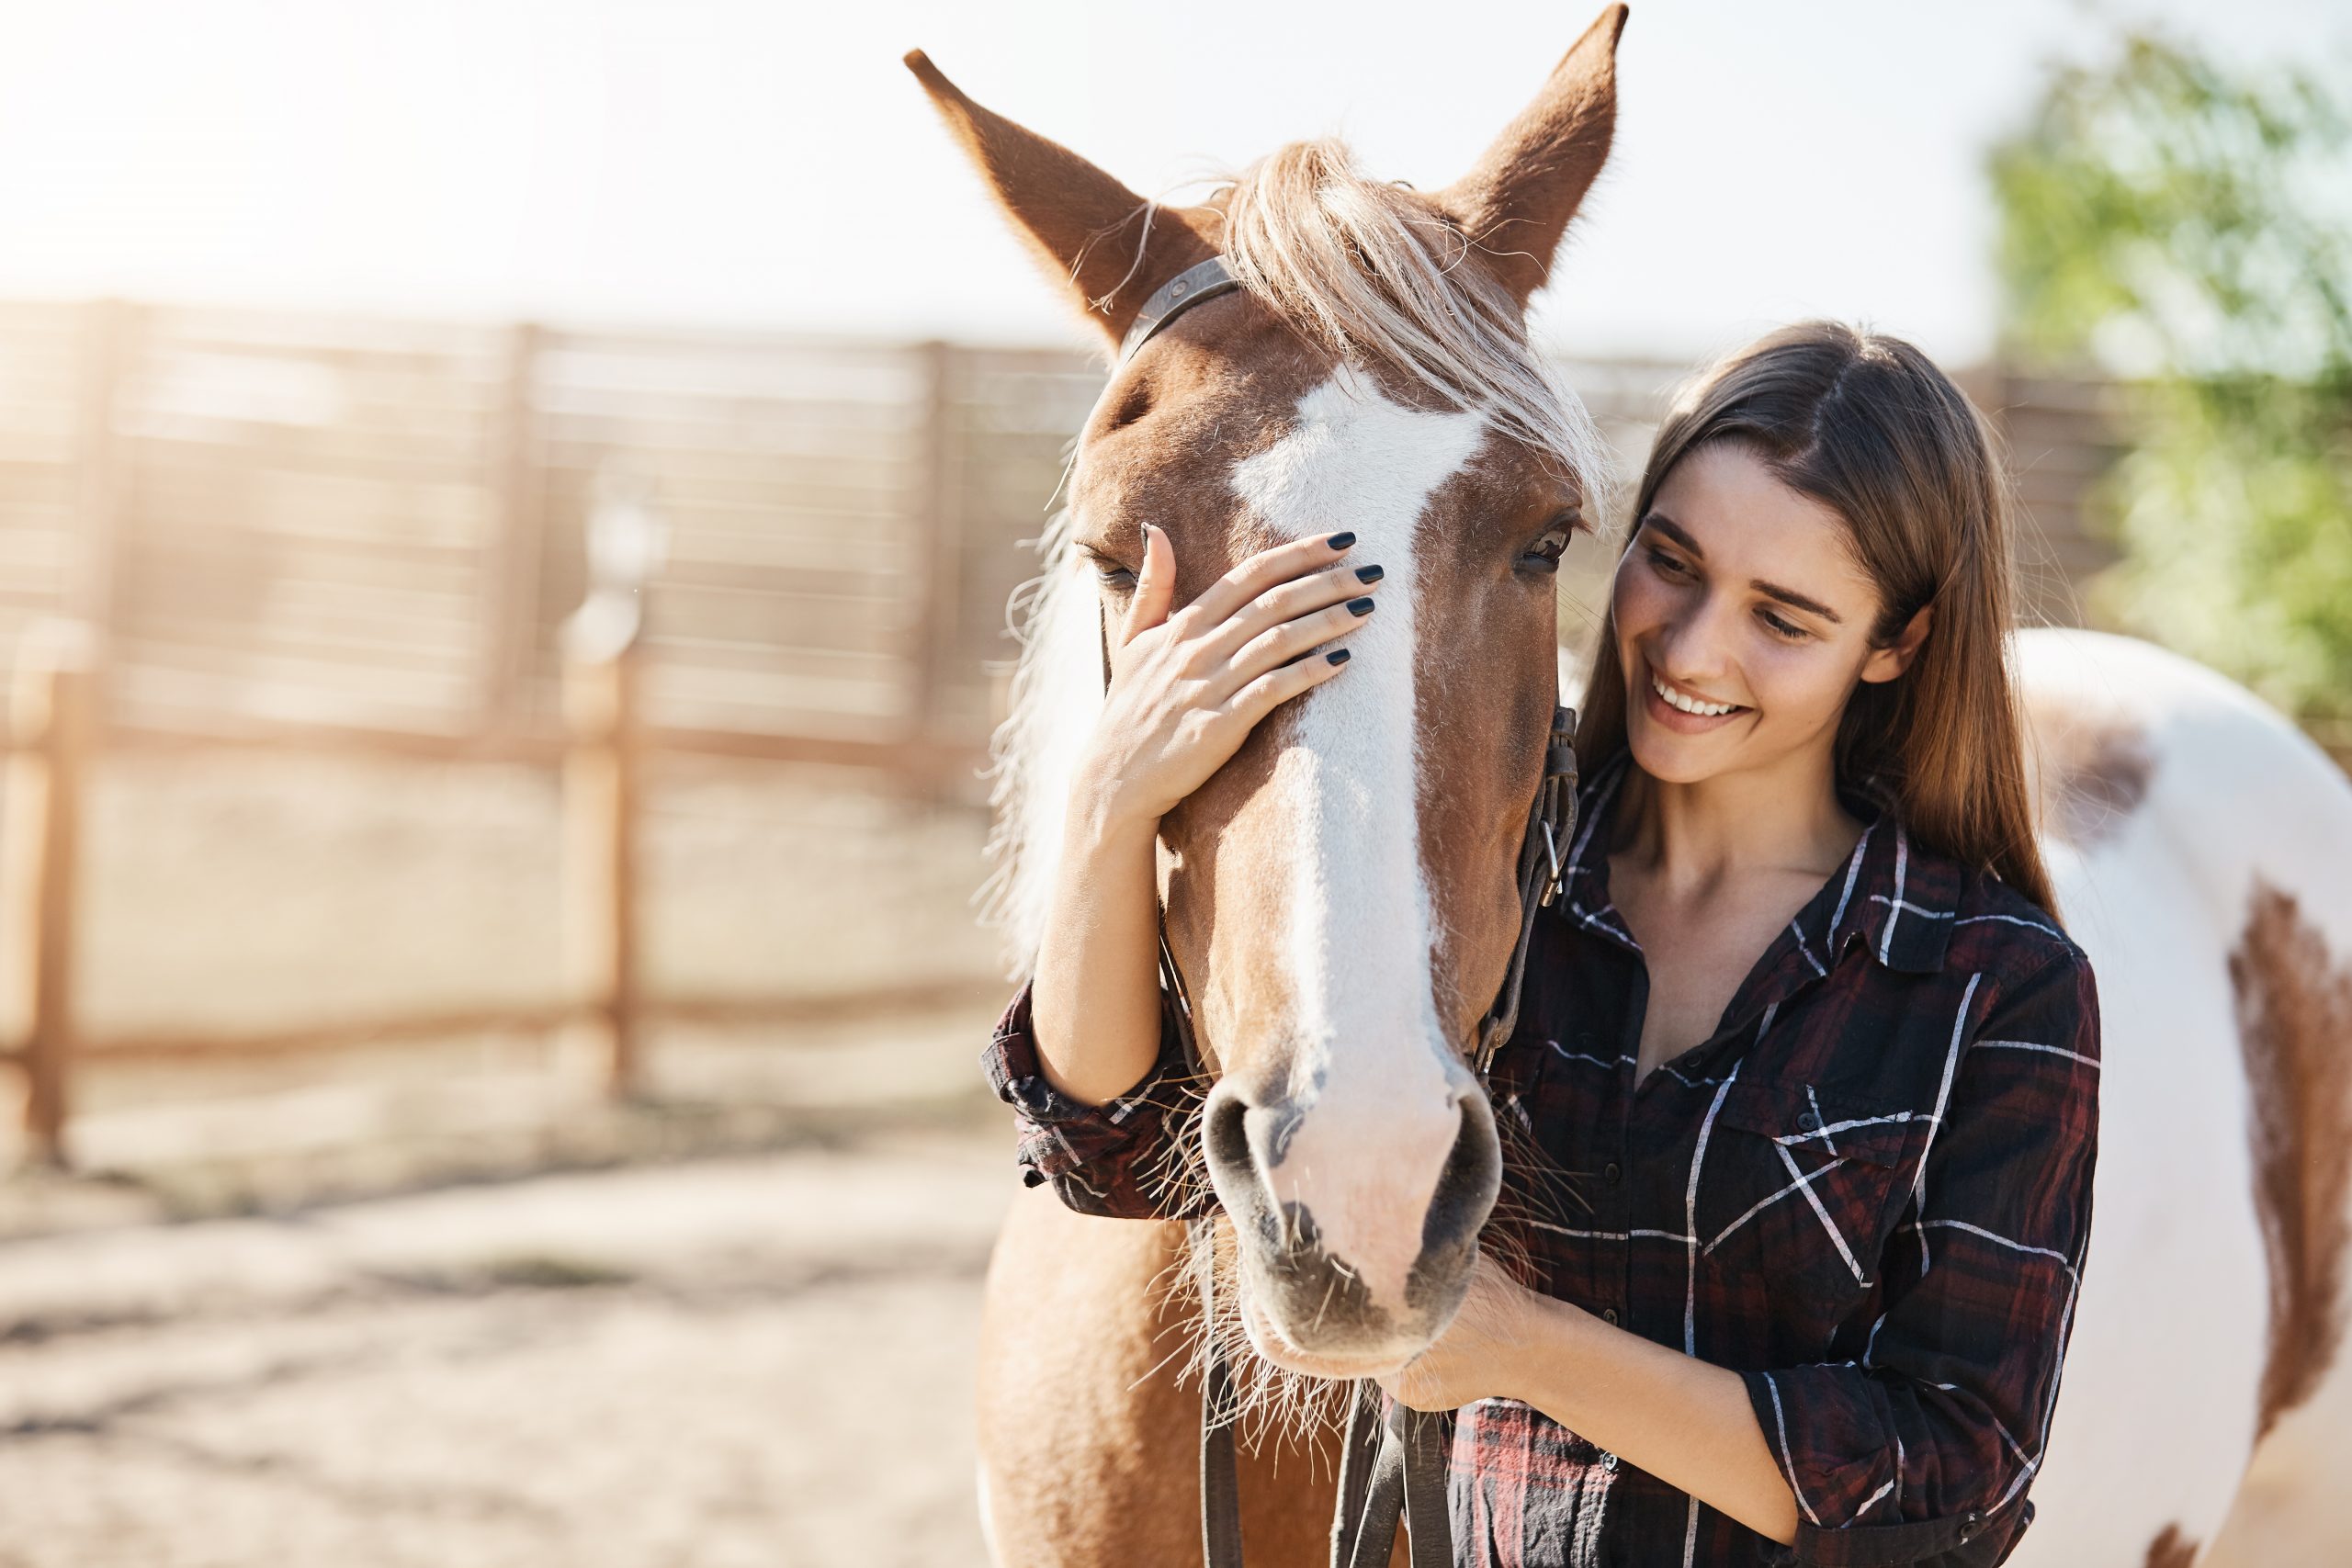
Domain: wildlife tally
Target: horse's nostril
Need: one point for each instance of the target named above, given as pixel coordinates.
(1226, 1129)
(1243, 1138)
(1234, 1172)
(1473, 1176)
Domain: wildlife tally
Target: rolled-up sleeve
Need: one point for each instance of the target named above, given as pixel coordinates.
(1124, 1158)
(1922, 1451)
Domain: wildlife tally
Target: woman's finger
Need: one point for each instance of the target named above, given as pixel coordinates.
(1279, 644)
(1297, 599)
(1276, 686)
(1253, 576)
(1155, 584)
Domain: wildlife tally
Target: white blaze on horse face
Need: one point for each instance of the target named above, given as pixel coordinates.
(1376, 1079)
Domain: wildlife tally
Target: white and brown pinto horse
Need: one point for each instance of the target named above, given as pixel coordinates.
(1341, 896)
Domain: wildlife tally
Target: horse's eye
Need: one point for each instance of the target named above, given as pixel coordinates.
(1544, 554)
(1108, 572)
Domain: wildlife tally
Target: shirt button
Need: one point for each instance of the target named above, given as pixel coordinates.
(1609, 1314)
(1612, 1172)
(1810, 1121)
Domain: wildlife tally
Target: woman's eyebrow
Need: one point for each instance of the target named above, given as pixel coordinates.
(1680, 535)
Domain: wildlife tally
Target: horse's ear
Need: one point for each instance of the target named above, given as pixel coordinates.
(1516, 204)
(1088, 229)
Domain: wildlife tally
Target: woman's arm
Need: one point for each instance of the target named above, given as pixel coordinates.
(1924, 1448)
(1185, 691)
(1685, 1421)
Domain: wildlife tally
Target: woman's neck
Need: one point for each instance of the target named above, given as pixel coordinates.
(1689, 839)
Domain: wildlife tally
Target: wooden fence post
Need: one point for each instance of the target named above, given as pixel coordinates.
(49, 720)
(601, 803)
(602, 770)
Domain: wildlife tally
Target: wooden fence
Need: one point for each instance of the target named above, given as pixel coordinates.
(244, 529)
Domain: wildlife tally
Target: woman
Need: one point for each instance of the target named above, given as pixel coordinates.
(1808, 1282)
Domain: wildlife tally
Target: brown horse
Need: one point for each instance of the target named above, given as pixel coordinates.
(1341, 896)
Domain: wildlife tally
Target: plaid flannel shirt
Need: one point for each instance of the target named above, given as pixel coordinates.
(1868, 1192)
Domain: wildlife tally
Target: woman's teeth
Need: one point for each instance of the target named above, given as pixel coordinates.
(1689, 705)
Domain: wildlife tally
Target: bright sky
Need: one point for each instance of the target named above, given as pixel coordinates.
(769, 163)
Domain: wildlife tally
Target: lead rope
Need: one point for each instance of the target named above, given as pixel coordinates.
(1401, 1470)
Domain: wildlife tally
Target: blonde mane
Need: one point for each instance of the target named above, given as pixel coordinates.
(1365, 270)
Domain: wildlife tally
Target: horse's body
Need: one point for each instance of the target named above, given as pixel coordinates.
(1340, 895)
(2201, 850)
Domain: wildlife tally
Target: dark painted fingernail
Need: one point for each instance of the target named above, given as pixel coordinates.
(1337, 656)
(1341, 541)
(1369, 574)
(1360, 606)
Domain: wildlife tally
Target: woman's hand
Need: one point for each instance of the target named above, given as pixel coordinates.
(1186, 689)
(1473, 1359)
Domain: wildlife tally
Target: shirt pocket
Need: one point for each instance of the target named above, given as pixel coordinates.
(1799, 1189)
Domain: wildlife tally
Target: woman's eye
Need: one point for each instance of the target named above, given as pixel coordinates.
(1784, 628)
(1664, 562)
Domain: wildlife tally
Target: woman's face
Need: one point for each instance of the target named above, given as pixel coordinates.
(1738, 590)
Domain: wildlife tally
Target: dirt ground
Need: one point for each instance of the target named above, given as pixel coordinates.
(443, 1302)
(763, 1360)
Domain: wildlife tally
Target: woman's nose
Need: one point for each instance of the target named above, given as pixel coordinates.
(1693, 647)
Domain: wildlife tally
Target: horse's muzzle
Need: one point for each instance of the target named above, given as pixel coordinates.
(1362, 1258)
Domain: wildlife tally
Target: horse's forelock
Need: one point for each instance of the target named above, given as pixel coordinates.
(1377, 276)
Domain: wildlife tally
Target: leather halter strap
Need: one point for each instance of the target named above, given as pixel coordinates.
(1201, 280)
(1551, 823)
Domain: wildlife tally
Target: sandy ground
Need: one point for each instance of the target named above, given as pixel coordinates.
(751, 1360)
(443, 1302)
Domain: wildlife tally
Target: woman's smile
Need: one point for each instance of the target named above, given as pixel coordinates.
(1659, 705)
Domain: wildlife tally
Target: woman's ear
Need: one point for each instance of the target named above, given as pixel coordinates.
(1886, 663)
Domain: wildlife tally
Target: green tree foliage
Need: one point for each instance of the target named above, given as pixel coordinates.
(2188, 226)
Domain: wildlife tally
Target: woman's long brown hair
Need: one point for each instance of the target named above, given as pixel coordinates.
(1866, 424)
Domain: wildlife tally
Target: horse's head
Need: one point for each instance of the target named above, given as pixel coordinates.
(1341, 896)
